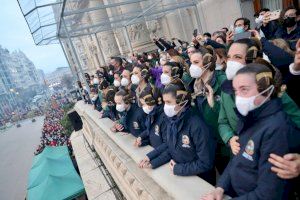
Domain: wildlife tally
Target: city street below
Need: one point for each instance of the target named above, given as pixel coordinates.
(17, 146)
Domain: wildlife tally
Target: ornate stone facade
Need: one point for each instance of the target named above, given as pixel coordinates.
(95, 50)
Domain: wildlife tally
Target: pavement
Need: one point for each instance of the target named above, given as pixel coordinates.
(17, 146)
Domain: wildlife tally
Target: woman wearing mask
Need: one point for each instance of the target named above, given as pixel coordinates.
(117, 80)
(240, 53)
(126, 80)
(95, 99)
(207, 91)
(190, 146)
(281, 59)
(263, 129)
(221, 59)
(139, 78)
(170, 72)
(155, 133)
(102, 91)
(109, 106)
(132, 117)
(157, 70)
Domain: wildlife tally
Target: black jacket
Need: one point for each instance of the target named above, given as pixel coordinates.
(189, 143)
(156, 127)
(263, 131)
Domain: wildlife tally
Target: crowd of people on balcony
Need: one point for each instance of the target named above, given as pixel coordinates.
(226, 102)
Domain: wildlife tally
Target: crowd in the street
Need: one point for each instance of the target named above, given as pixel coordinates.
(226, 102)
(53, 133)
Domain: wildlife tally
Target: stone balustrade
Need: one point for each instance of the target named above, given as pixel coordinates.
(121, 158)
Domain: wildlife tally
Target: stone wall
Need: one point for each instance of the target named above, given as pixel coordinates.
(121, 158)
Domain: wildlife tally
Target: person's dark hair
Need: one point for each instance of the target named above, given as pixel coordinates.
(253, 49)
(109, 97)
(103, 85)
(208, 56)
(173, 52)
(178, 91)
(127, 96)
(275, 72)
(87, 76)
(151, 95)
(118, 60)
(79, 84)
(263, 76)
(221, 52)
(286, 9)
(225, 29)
(176, 69)
(207, 34)
(144, 71)
(264, 10)
(245, 20)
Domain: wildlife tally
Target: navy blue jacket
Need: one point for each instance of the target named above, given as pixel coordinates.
(97, 104)
(270, 29)
(189, 143)
(111, 113)
(273, 31)
(263, 131)
(281, 60)
(134, 120)
(156, 127)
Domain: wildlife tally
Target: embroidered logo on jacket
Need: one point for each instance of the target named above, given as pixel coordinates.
(249, 150)
(185, 141)
(156, 130)
(136, 125)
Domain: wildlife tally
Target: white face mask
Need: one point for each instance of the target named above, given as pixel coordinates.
(147, 110)
(135, 79)
(170, 110)
(219, 66)
(94, 98)
(232, 68)
(124, 82)
(259, 19)
(96, 81)
(117, 83)
(246, 104)
(196, 71)
(120, 107)
(165, 79)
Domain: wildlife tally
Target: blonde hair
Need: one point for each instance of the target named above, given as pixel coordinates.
(281, 43)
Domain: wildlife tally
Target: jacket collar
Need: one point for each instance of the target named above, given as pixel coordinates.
(268, 109)
(227, 87)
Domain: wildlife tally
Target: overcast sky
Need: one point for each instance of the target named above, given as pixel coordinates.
(15, 35)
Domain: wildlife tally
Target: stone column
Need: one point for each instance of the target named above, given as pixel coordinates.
(107, 40)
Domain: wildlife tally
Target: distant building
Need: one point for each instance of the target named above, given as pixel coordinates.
(41, 76)
(24, 72)
(54, 78)
(17, 73)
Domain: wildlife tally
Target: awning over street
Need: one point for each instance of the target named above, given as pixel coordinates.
(53, 176)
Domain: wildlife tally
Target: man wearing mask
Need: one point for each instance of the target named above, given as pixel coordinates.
(240, 25)
(289, 30)
(237, 54)
(117, 63)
